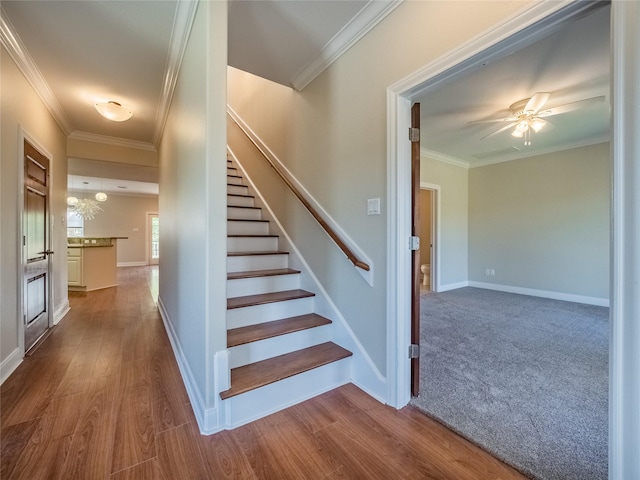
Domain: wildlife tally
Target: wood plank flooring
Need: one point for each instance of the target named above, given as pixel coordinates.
(102, 398)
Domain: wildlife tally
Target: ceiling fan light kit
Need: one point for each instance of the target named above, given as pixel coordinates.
(113, 111)
(526, 115)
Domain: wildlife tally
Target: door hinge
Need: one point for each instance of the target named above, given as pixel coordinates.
(414, 351)
(414, 243)
(414, 134)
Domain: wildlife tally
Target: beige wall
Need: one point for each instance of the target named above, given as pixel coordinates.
(21, 107)
(454, 219)
(112, 153)
(192, 289)
(336, 143)
(124, 216)
(543, 222)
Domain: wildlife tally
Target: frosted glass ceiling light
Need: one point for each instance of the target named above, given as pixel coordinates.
(72, 201)
(113, 111)
(101, 197)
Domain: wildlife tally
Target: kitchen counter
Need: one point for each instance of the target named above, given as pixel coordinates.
(92, 263)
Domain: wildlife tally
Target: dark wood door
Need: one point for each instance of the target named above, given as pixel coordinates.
(36, 242)
(415, 257)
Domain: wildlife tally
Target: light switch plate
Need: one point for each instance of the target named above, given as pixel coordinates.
(373, 206)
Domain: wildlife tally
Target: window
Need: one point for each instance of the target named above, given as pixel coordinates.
(75, 224)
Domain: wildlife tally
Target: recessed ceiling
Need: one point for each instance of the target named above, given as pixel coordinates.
(92, 185)
(572, 64)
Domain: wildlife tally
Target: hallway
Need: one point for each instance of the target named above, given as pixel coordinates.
(102, 397)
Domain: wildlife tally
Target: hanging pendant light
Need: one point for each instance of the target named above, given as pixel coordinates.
(101, 197)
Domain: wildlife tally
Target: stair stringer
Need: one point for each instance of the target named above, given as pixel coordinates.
(364, 372)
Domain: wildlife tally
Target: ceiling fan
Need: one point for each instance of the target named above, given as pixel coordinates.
(527, 115)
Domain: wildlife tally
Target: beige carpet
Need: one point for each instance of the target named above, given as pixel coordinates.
(524, 377)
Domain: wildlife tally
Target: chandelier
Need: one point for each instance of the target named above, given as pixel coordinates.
(84, 207)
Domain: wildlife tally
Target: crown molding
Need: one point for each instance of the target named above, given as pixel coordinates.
(441, 157)
(371, 14)
(113, 141)
(587, 142)
(20, 55)
(185, 15)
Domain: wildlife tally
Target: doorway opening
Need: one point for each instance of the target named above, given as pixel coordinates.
(429, 271)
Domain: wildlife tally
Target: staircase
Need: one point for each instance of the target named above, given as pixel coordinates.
(280, 351)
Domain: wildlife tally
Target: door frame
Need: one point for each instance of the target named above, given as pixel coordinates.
(624, 356)
(23, 136)
(147, 236)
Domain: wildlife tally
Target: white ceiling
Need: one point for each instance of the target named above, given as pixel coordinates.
(76, 53)
(572, 64)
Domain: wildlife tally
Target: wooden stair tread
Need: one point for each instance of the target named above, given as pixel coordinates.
(239, 195)
(261, 273)
(245, 220)
(243, 206)
(256, 254)
(248, 235)
(259, 374)
(264, 298)
(262, 331)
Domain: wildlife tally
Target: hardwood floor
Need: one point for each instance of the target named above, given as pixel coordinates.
(102, 398)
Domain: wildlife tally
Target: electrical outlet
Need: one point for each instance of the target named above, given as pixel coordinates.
(487, 272)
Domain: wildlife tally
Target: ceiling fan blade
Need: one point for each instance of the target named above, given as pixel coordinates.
(569, 107)
(493, 120)
(536, 102)
(500, 130)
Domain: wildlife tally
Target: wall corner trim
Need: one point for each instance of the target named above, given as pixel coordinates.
(207, 418)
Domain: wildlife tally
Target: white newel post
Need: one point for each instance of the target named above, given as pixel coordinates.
(624, 397)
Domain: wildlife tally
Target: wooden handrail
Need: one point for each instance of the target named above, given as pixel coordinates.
(327, 228)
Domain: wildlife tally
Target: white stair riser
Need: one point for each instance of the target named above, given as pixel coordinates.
(252, 244)
(238, 189)
(244, 213)
(272, 347)
(241, 317)
(234, 180)
(263, 401)
(247, 228)
(247, 263)
(233, 200)
(232, 171)
(255, 286)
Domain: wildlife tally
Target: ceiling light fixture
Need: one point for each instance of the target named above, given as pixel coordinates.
(527, 121)
(101, 197)
(113, 111)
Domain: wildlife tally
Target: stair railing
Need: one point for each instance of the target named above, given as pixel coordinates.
(327, 228)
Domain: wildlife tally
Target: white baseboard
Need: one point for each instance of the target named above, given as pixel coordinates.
(131, 264)
(60, 311)
(9, 364)
(567, 297)
(452, 286)
(207, 418)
